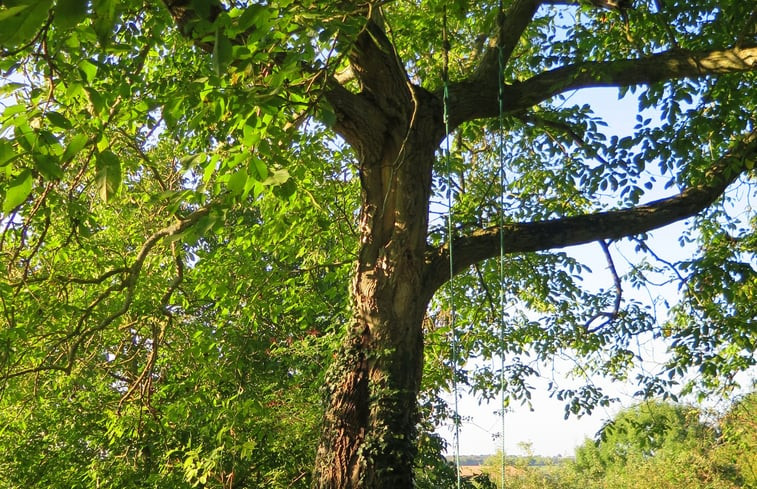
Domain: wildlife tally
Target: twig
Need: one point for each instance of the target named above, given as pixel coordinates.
(611, 316)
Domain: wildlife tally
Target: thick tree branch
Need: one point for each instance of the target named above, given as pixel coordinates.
(510, 29)
(379, 69)
(609, 225)
(469, 101)
(356, 117)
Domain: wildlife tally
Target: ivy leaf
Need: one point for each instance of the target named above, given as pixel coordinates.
(107, 174)
(18, 190)
(21, 20)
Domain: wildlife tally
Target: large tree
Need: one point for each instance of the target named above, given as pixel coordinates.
(145, 137)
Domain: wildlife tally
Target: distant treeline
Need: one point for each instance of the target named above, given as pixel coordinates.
(531, 461)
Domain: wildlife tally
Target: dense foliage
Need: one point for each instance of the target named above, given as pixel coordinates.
(189, 187)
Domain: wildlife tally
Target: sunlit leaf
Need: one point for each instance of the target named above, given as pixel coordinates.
(76, 144)
(88, 70)
(17, 191)
(7, 153)
(237, 181)
(277, 177)
(107, 174)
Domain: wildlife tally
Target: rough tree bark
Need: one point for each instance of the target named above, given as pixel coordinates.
(367, 438)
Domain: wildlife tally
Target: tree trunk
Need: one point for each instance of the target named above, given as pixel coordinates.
(368, 434)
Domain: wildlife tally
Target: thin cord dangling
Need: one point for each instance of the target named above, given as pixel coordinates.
(453, 312)
(501, 145)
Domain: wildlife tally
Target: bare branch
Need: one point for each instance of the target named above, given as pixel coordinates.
(510, 29)
(610, 316)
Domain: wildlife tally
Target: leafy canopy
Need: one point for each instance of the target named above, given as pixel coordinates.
(177, 214)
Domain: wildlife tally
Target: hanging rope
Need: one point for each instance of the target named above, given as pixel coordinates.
(501, 145)
(453, 312)
(450, 228)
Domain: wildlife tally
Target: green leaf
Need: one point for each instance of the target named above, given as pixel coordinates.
(58, 120)
(237, 181)
(278, 177)
(172, 111)
(75, 145)
(69, 13)
(96, 100)
(48, 166)
(88, 70)
(18, 190)
(221, 51)
(9, 12)
(260, 169)
(104, 20)
(20, 21)
(327, 116)
(9, 87)
(7, 153)
(202, 8)
(193, 160)
(107, 174)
